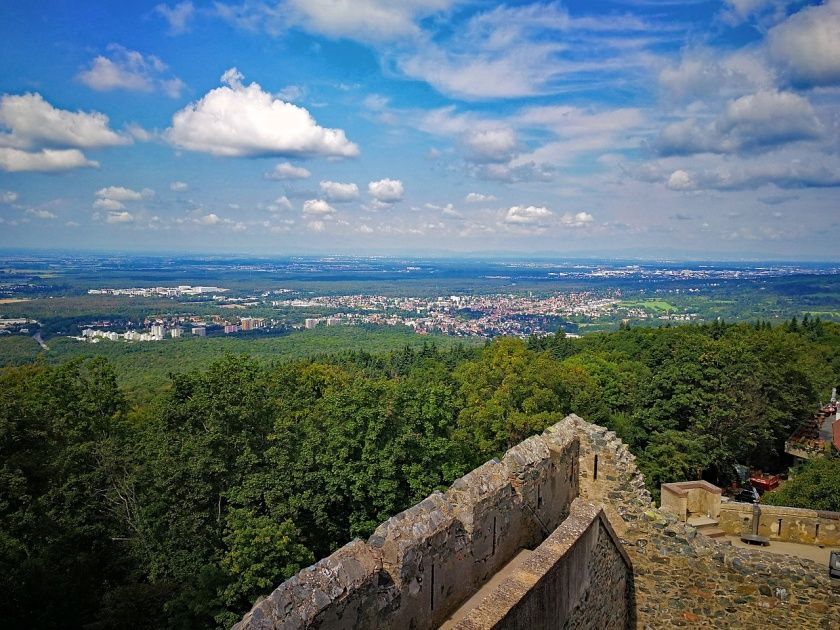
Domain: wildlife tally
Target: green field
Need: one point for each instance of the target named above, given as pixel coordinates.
(143, 368)
(660, 306)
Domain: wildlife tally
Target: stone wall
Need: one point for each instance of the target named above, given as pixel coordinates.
(579, 577)
(786, 524)
(419, 565)
(683, 579)
(608, 472)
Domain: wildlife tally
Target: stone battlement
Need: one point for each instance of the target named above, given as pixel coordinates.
(421, 564)
(603, 557)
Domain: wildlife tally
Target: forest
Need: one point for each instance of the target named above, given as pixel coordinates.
(179, 511)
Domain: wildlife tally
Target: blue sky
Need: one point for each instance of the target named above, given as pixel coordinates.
(422, 126)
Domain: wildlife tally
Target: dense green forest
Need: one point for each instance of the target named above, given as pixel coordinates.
(143, 368)
(179, 511)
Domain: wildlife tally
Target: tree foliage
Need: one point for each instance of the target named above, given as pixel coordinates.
(180, 512)
(816, 486)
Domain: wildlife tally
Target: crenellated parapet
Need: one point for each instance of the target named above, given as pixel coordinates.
(421, 564)
(600, 556)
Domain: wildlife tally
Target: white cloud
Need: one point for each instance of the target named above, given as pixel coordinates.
(138, 133)
(178, 16)
(290, 93)
(521, 71)
(34, 123)
(129, 70)
(280, 204)
(474, 197)
(338, 192)
(579, 219)
(527, 215)
(179, 186)
(40, 213)
(45, 160)
(375, 102)
(540, 48)
(120, 193)
(680, 180)
(490, 145)
(365, 229)
(755, 121)
(317, 207)
(703, 74)
(807, 45)
(784, 169)
(741, 10)
(119, 217)
(285, 170)
(386, 190)
(244, 121)
(209, 219)
(365, 19)
(524, 172)
(108, 204)
(316, 226)
(8, 196)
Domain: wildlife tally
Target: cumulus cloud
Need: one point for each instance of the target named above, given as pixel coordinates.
(316, 226)
(703, 73)
(280, 204)
(339, 192)
(490, 145)
(785, 174)
(807, 45)
(44, 161)
(119, 217)
(285, 170)
(760, 120)
(244, 121)
(108, 204)
(179, 186)
(177, 16)
(679, 180)
(40, 213)
(317, 207)
(34, 123)
(129, 70)
(210, 219)
(8, 196)
(386, 190)
(527, 215)
(579, 219)
(120, 193)
(475, 197)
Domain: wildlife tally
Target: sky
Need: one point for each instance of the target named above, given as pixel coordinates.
(701, 128)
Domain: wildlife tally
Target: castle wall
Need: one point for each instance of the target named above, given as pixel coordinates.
(608, 471)
(786, 524)
(419, 565)
(579, 577)
(659, 574)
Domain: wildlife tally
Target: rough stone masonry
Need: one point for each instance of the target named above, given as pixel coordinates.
(603, 557)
